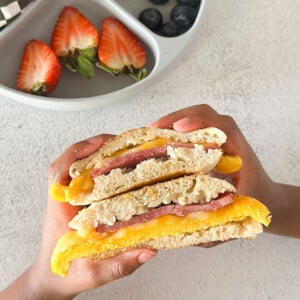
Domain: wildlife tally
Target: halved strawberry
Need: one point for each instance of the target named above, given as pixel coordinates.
(39, 70)
(75, 39)
(120, 50)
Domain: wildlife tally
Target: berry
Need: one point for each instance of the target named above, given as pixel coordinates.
(169, 29)
(120, 50)
(159, 1)
(184, 15)
(39, 70)
(152, 18)
(189, 2)
(75, 40)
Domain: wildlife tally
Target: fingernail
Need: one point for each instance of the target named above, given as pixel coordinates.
(145, 256)
(153, 124)
(181, 123)
(94, 140)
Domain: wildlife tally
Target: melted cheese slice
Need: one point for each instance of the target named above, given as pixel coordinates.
(229, 164)
(84, 184)
(72, 246)
(147, 145)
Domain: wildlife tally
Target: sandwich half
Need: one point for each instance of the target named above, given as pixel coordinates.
(140, 157)
(160, 193)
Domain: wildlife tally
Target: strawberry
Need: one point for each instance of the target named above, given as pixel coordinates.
(75, 39)
(120, 50)
(39, 70)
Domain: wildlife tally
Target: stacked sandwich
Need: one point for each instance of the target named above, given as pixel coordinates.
(155, 188)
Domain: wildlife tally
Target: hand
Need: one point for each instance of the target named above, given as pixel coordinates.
(201, 116)
(251, 179)
(39, 282)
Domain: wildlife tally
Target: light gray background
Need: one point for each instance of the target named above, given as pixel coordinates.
(244, 62)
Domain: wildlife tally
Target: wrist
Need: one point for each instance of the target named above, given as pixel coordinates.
(32, 285)
(288, 218)
(45, 285)
(277, 202)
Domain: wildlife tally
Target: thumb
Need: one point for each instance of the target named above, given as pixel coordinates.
(124, 264)
(127, 262)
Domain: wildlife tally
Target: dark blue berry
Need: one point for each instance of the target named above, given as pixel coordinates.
(189, 2)
(159, 1)
(169, 29)
(152, 18)
(184, 15)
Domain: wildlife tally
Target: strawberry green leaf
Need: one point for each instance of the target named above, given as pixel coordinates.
(138, 74)
(90, 54)
(69, 63)
(39, 89)
(85, 67)
(114, 72)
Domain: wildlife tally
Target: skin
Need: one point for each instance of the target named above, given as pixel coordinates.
(38, 282)
(252, 180)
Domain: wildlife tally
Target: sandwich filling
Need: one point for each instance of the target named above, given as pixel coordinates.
(177, 196)
(130, 158)
(99, 244)
(171, 209)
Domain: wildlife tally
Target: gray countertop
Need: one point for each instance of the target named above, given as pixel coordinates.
(244, 61)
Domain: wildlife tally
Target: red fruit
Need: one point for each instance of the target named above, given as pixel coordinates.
(120, 50)
(75, 39)
(39, 70)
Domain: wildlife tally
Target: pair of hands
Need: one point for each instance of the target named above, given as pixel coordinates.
(87, 274)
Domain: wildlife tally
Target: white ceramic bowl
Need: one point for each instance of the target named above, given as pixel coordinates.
(73, 91)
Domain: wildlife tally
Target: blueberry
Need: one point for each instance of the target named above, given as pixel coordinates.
(152, 18)
(184, 15)
(168, 29)
(189, 2)
(159, 1)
